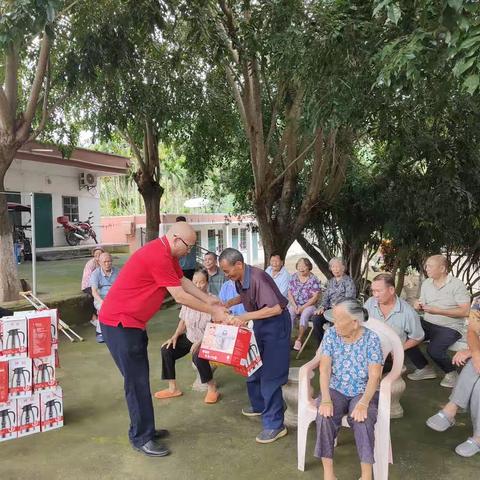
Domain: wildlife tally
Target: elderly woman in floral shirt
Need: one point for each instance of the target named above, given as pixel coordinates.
(339, 287)
(303, 293)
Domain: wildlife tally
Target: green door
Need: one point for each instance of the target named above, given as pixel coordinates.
(43, 220)
(212, 241)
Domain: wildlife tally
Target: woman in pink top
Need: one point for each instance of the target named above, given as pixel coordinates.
(187, 339)
(89, 268)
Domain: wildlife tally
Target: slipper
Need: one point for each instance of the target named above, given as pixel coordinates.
(212, 397)
(468, 448)
(163, 394)
(440, 422)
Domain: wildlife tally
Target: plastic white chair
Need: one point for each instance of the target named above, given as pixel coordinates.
(307, 408)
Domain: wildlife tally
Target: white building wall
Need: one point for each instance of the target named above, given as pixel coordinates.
(57, 180)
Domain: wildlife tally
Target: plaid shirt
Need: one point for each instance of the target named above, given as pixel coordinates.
(215, 282)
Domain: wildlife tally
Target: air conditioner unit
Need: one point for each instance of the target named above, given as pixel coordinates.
(88, 180)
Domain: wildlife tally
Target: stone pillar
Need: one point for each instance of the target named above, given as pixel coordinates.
(228, 236)
(249, 246)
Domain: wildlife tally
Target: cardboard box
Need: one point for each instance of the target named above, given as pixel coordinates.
(20, 377)
(51, 409)
(44, 372)
(28, 415)
(3, 382)
(53, 315)
(39, 336)
(14, 337)
(231, 345)
(8, 420)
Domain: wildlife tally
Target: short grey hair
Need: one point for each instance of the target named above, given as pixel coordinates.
(337, 259)
(354, 308)
(231, 256)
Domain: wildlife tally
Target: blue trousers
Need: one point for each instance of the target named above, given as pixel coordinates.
(128, 347)
(265, 385)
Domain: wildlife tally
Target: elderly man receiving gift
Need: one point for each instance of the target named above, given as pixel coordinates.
(350, 370)
(134, 298)
(266, 306)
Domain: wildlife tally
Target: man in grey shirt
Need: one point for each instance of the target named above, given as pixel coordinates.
(386, 306)
(445, 303)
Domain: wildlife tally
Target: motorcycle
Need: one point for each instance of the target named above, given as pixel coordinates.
(76, 231)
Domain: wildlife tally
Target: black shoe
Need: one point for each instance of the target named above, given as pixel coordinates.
(153, 449)
(159, 434)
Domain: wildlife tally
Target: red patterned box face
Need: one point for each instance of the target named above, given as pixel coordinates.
(3, 382)
(232, 346)
(225, 344)
(39, 337)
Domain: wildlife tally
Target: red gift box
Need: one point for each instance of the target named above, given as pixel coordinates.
(231, 346)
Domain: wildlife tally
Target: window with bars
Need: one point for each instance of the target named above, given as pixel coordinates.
(220, 246)
(70, 208)
(243, 239)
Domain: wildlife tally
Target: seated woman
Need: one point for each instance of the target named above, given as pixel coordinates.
(303, 293)
(350, 371)
(340, 286)
(89, 268)
(187, 339)
(466, 393)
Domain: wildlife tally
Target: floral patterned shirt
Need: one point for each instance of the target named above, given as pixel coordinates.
(303, 292)
(350, 361)
(338, 290)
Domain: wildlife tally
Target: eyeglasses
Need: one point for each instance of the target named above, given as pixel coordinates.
(189, 247)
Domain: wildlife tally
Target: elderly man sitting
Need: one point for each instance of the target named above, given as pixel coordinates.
(445, 302)
(350, 371)
(466, 393)
(386, 306)
(101, 281)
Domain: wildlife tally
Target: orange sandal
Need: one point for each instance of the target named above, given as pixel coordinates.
(164, 394)
(212, 397)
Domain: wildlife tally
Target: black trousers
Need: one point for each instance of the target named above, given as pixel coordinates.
(318, 322)
(440, 340)
(171, 355)
(128, 347)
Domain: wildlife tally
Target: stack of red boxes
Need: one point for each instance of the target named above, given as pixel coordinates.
(31, 401)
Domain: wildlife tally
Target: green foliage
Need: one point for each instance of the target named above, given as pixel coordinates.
(431, 38)
(20, 20)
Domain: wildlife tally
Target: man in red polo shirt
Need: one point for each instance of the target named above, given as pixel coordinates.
(136, 295)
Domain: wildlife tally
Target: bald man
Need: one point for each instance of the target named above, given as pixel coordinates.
(134, 298)
(445, 304)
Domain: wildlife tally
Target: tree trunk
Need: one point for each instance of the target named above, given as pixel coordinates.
(316, 255)
(152, 192)
(9, 283)
(402, 268)
(272, 242)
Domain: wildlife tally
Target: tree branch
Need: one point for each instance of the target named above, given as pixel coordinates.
(136, 151)
(5, 113)
(11, 79)
(36, 87)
